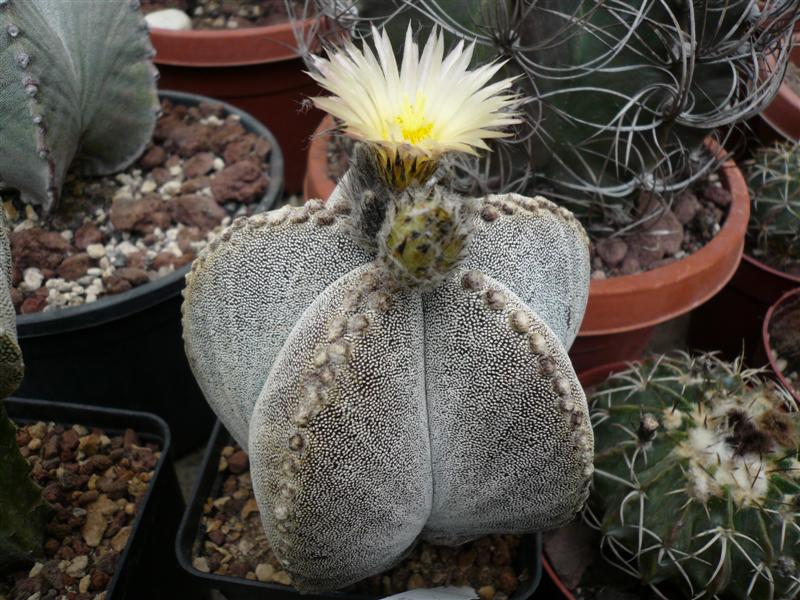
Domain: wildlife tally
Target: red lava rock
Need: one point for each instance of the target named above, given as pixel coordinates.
(230, 131)
(209, 109)
(197, 211)
(99, 580)
(217, 537)
(161, 175)
(129, 439)
(74, 267)
(116, 285)
(238, 462)
(191, 139)
(685, 207)
(34, 303)
(630, 266)
(137, 260)
(187, 235)
(612, 251)
(52, 493)
(262, 148)
(167, 125)
(140, 215)
(198, 165)
(87, 234)
(70, 439)
(659, 237)
(238, 569)
(36, 247)
(153, 158)
(240, 182)
(239, 150)
(192, 186)
(133, 275)
(718, 195)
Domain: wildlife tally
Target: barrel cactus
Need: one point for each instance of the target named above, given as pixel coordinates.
(619, 95)
(78, 92)
(774, 180)
(395, 362)
(697, 478)
(22, 510)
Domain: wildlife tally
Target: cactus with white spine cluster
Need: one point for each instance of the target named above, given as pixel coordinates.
(697, 481)
(619, 95)
(78, 91)
(774, 180)
(22, 510)
(400, 380)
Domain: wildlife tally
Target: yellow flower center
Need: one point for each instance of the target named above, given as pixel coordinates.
(413, 124)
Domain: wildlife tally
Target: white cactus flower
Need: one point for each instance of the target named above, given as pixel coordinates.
(433, 104)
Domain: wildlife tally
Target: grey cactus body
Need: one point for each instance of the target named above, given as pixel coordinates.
(377, 414)
(76, 89)
(11, 367)
(23, 513)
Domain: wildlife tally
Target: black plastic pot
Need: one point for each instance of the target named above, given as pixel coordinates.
(126, 351)
(147, 567)
(190, 536)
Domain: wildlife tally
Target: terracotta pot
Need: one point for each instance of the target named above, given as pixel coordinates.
(257, 69)
(622, 311)
(317, 183)
(790, 300)
(732, 321)
(783, 113)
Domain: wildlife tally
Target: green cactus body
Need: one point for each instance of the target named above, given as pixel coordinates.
(388, 395)
(22, 510)
(619, 96)
(697, 481)
(77, 91)
(774, 180)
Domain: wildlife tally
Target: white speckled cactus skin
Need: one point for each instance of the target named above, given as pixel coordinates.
(76, 89)
(11, 367)
(376, 414)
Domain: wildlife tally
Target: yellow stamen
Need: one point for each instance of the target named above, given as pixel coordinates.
(413, 125)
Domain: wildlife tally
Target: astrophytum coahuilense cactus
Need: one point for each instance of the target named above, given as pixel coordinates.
(697, 486)
(76, 89)
(22, 510)
(395, 383)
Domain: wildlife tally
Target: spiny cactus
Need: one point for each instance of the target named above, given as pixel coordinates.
(77, 91)
(697, 481)
(412, 385)
(22, 510)
(619, 95)
(774, 180)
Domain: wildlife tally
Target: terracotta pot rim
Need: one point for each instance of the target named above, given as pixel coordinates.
(555, 579)
(227, 47)
(730, 239)
(316, 179)
(767, 346)
(785, 104)
(772, 271)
